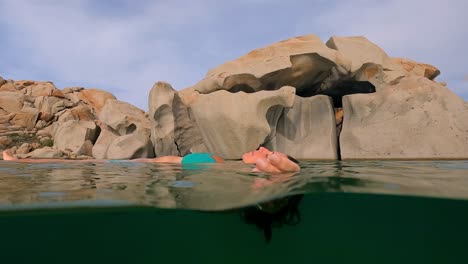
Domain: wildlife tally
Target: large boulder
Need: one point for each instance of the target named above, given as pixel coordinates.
(234, 123)
(51, 104)
(76, 136)
(131, 146)
(124, 117)
(25, 119)
(187, 135)
(105, 139)
(36, 89)
(415, 119)
(359, 50)
(96, 98)
(302, 62)
(45, 153)
(8, 87)
(11, 101)
(161, 116)
(307, 130)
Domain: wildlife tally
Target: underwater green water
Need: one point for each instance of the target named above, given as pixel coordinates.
(351, 212)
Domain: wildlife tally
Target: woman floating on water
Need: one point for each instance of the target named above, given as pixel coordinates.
(264, 160)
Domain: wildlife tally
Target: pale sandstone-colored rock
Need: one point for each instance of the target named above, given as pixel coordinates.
(124, 117)
(72, 89)
(2, 81)
(83, 112)
(131, 146)
(73, 135)
(232, 124)
(161, 118)
(417, 68)
(6, 118)
(11, 101)
(415, 119)
(302, 62)
(41, 89)
(5, 141)
(50, 104)
(45, 153)
(25, 119)
(8, 87)
(96, 98)
(359, 50)
(187, 135)
(106, 137)
(307, 130)
(43, 133)
(74, 97)
(25, 148)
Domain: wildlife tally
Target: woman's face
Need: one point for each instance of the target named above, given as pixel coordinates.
(252, 156)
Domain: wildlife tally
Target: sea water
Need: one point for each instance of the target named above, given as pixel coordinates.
(350, 212)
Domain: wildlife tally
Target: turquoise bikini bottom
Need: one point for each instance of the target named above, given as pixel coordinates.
(194, 158)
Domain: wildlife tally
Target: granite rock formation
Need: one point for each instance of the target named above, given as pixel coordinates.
(340, 99)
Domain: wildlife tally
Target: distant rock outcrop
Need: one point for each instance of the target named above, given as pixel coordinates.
(344, 98)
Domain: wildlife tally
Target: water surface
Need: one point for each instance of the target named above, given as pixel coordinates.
(218, 186)
(351, 212)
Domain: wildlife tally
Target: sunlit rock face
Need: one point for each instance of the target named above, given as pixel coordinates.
(345, 98)
(218, 112)
(414, 119)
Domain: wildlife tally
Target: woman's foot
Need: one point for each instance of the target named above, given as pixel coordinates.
(8, 156)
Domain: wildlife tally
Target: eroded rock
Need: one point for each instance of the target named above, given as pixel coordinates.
(162, 122)
(307, 130)
(95, 98)
(76, 136)
(124, 117)
(415, 119)
(131, 146)
(232, 124)
(11, 101)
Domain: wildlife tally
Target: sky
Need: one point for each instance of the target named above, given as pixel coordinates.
(125, 46)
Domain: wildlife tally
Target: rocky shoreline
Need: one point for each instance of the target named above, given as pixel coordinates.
(342, 99)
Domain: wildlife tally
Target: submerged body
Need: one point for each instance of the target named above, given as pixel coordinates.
(264, 160)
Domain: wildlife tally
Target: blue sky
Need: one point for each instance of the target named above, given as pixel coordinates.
(126, 46)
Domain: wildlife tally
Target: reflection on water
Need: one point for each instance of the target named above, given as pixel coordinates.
(219, 186)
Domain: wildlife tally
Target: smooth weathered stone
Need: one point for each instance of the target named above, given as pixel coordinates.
(359, 50)
(417, 68)
(25, 148)
(25, 119)
(8, 87)
(415, 119)
(45, 153)
(49, 104)
(161, 117)
(124, 117)
(11, 101)
(73, 135)
(83, 112)
(132, 146)
(186, 132)
(307, 130)
(2, 81)
(302, 62)
(96, 98)
(41, 89)
(73, 97)
(105, 139)
(232, 124)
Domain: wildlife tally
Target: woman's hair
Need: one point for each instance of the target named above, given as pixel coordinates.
(274, 213)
